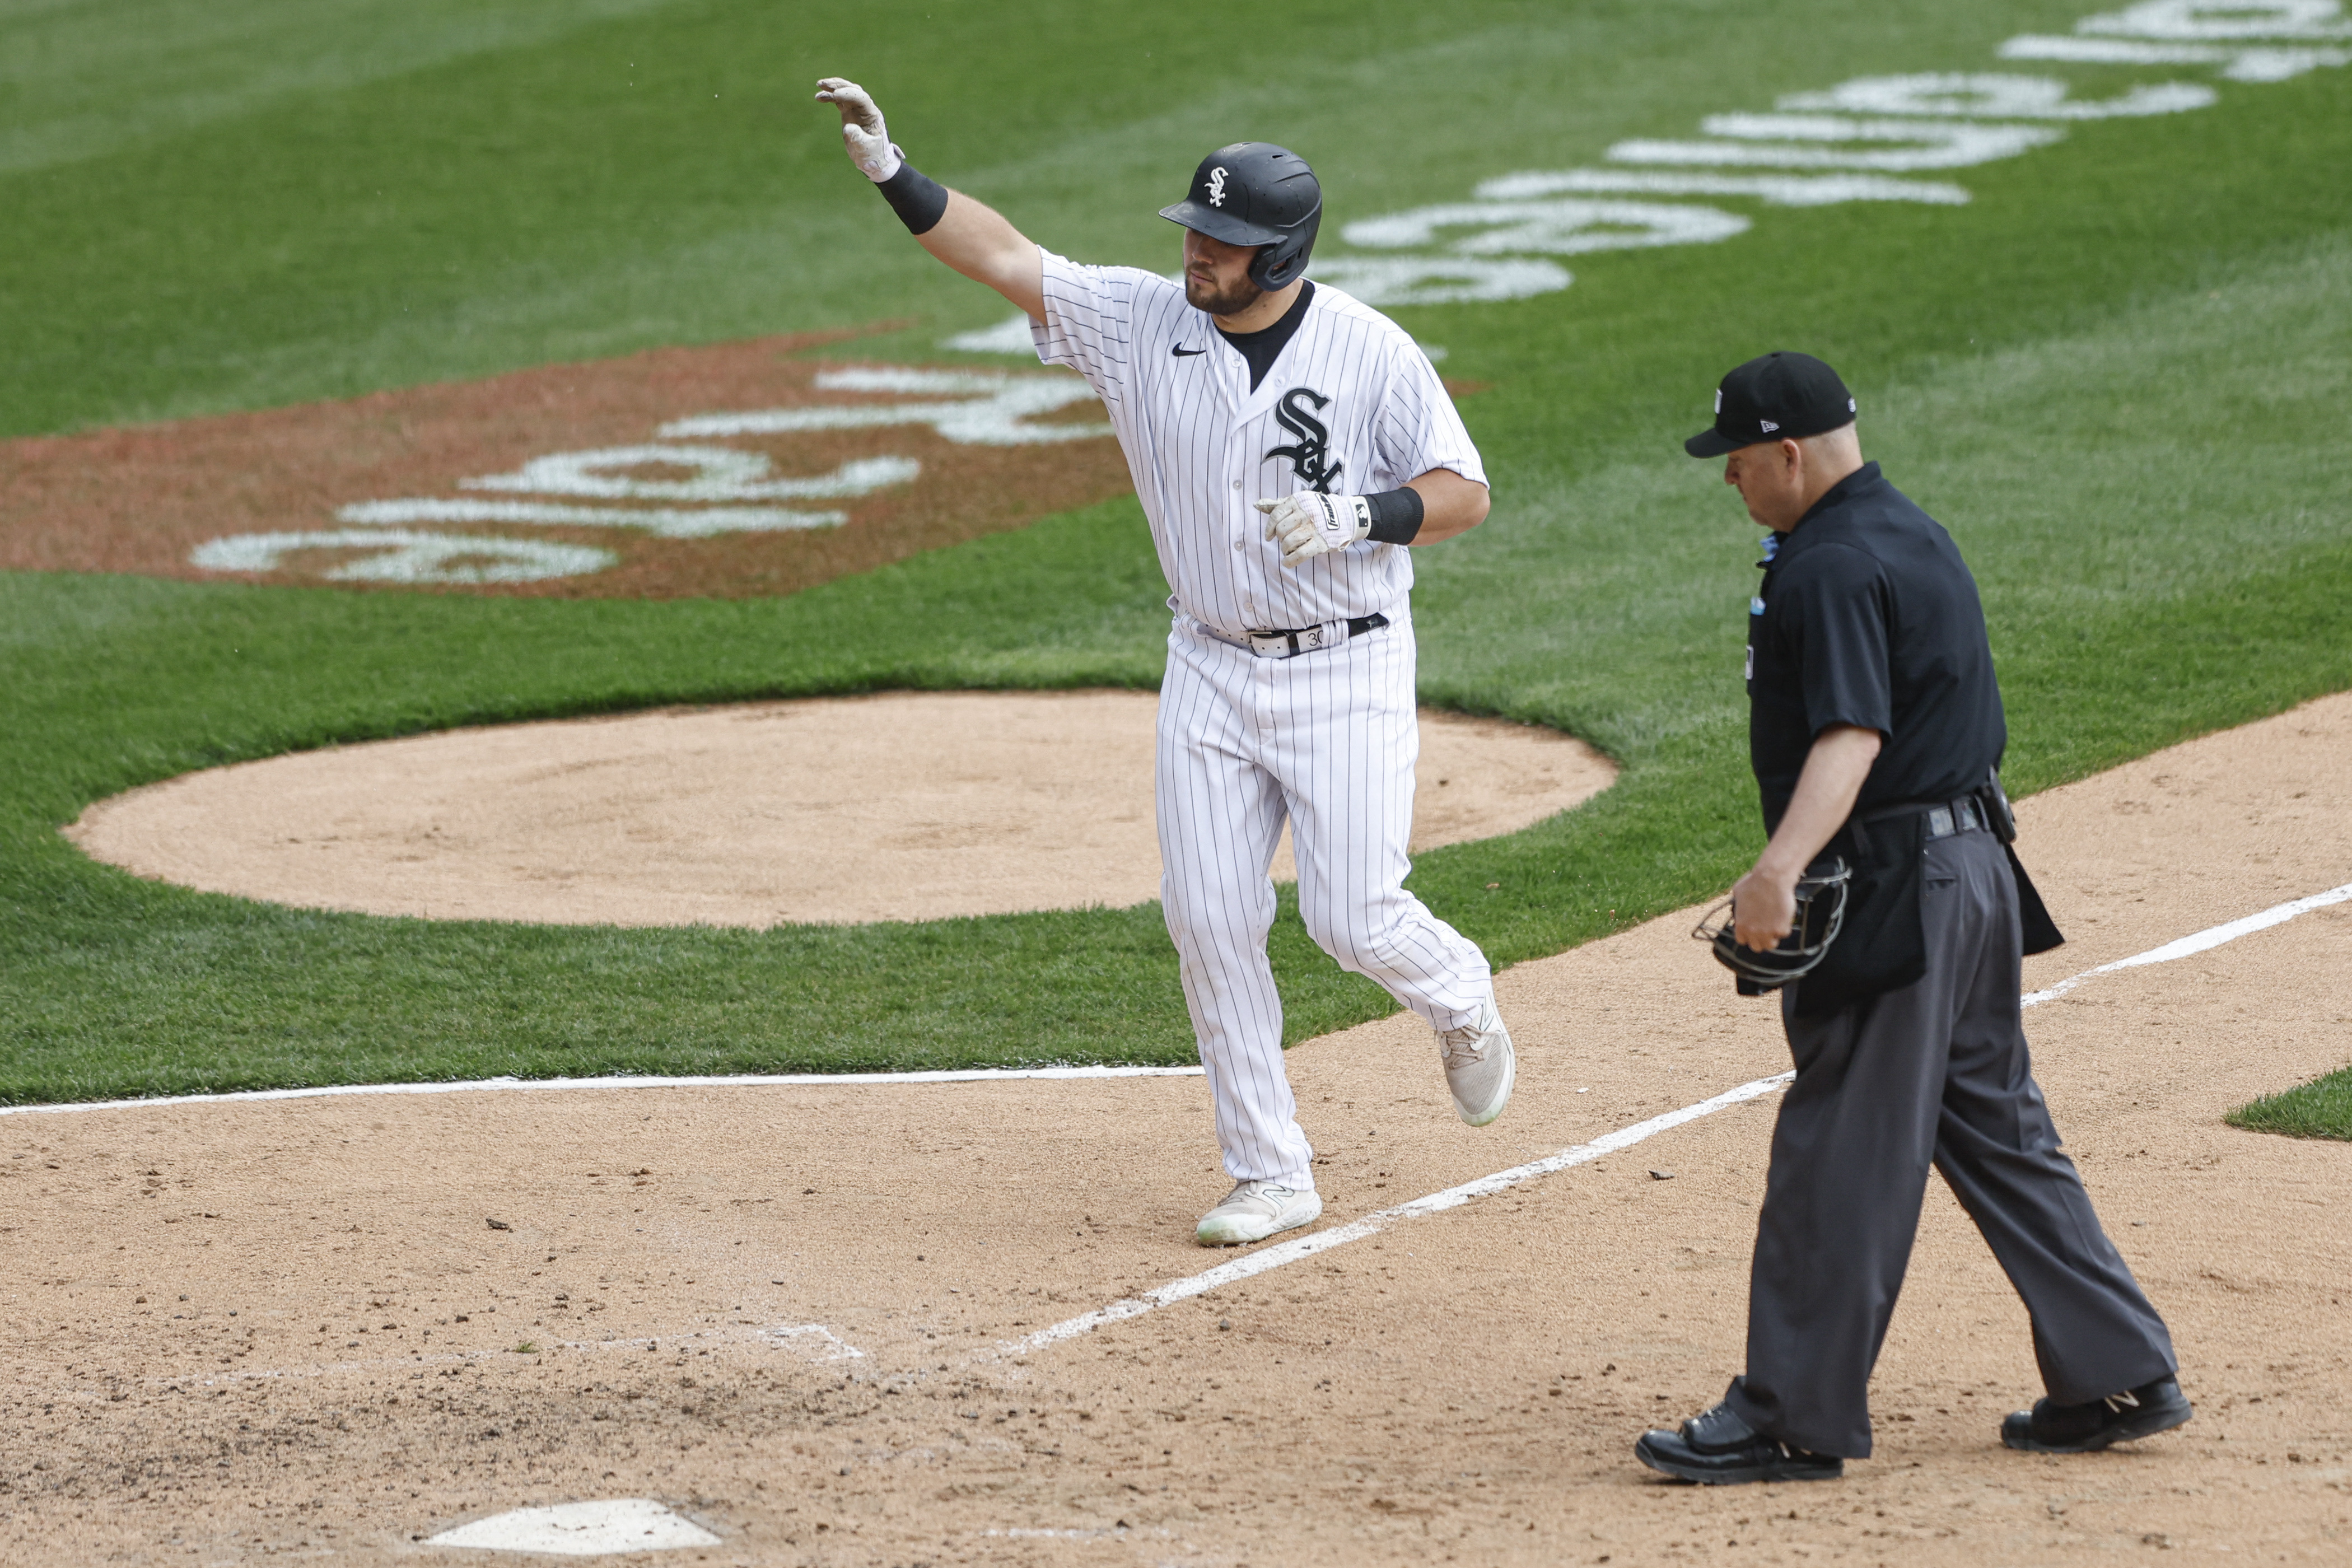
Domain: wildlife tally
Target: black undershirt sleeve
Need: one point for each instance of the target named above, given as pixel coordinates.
(918, 200)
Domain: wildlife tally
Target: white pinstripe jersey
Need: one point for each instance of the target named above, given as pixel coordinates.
(1351, 407)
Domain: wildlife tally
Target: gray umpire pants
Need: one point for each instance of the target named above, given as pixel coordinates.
(1934, 1072)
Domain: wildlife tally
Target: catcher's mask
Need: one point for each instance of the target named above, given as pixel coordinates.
(1821, 913)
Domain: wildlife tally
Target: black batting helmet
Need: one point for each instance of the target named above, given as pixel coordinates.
(1821, 914)
(1254, 193)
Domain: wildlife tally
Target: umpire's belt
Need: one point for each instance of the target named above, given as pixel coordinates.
(1961, 816)
(1944, 818)
(1293, 641)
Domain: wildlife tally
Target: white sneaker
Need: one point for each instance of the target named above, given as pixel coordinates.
(1255, 1210)
(1480, 1067)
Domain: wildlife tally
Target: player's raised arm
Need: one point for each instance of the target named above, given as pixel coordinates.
(969, 235)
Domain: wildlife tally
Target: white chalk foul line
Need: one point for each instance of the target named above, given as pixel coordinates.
(733, 1080)
(1307, 1246)
(1304, 1247)
(2214, 936)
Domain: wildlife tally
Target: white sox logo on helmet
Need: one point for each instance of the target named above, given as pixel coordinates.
(1217, 187)
(1310, 455)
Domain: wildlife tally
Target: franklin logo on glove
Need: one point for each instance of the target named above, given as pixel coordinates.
(1309, 522)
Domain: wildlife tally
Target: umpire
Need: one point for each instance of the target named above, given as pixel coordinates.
(1875, 730)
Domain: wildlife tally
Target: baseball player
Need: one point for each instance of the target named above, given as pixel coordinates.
(1287, 443)
(1874, 728)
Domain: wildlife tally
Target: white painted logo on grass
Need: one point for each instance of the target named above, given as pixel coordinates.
(2255, 43)
(717, 474)
(669, 523)
(2256, 64)
(1556, 227)
(1996, 96)
(2204, 19)
(1874, 128)
(1000, 416)
(396, 555)
(1833, 142)
(1010, 336)
(710, 490)
(1439, 279)
(1774, 189)
(581, 1530)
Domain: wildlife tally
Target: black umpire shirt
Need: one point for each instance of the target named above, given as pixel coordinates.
(1868, 616)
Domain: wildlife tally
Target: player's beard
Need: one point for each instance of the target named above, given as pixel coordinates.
(1202, 295)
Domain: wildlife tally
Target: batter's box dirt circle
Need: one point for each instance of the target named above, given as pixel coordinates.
(729, 471)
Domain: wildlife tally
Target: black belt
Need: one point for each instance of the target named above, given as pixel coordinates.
(1290, 642)
(1961, 816)
(1944, 818)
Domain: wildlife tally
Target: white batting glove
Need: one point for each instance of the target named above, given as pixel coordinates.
(1309, 523)
(862, 130)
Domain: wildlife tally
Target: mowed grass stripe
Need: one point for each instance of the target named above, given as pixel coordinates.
(84, 79)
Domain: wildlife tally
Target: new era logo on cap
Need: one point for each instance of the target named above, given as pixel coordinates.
(1782, 396)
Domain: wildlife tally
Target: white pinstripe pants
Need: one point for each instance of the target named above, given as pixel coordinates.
(1328, 739)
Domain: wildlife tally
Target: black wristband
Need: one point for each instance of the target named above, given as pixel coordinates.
(918, 200)
(1396, 516)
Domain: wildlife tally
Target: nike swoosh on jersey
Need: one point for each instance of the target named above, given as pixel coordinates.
(1180, 351)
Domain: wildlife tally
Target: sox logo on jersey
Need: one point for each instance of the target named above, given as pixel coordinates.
(1310, 454)
(1325, 739)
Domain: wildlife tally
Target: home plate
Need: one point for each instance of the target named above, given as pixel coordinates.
(580, 1530)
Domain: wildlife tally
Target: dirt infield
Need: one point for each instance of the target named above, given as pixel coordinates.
(575, 480)
(909, 807)
(250, 1330)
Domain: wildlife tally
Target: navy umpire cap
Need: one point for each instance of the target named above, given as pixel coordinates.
(1254, 193)
(1780, 397)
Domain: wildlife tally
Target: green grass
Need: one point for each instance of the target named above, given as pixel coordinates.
(95, 76)
(2118, 375)
(2320, 1108)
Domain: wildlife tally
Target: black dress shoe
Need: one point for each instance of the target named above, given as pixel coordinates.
(2142, 1412)
(1720, 1449)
